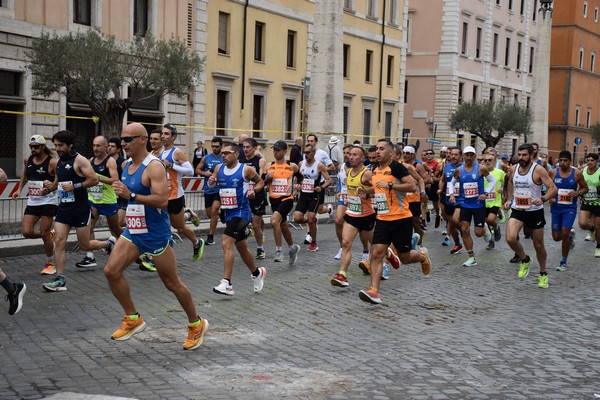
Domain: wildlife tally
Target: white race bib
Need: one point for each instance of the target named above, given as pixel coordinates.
(382, 203)
(64, 196)
(471, 190)
(563, 197)
(35, 188)
(228, 198)
(279, 186)
(523, 199)
(344, 196)
(354, 205)
(308, 185)
(136, 219)
(96, 192)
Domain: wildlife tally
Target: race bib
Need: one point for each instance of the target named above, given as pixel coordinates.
(344, 196)
(279, 186)
(95, 192)
(456, 190)
(382, 203)
(354, 205)
(471, 190)
(228, 198)
(591, 195)
(308, 185)
(35, 188)
(563, 197)
(135, 216)
(523, 199)
(64, 196)
(491, 196)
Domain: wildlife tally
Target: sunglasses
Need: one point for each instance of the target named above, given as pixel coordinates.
(215, 147)
(307, 152)
(129, 139)
(488, 160)
(35, 146)
(407, 152)
(428, 154)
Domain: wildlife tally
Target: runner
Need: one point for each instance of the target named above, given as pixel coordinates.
(431, 190)
(231, 178)
(156, 143)
(493, 203)
(102, 196)
(145, 185)
(589, 214)
(14, 292)
(451, 211)
(342, 196)
(359, 216)
(39, 172)
(177, 164)
(258, 204)
(205, 168)
(115, 151)
(524, 197)
(74, 174)
(472, 195)
(315, 180)
(570, 184)
(280, 176)
(390, 183)
(416, 198)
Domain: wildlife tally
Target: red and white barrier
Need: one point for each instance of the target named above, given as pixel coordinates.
(8, 188)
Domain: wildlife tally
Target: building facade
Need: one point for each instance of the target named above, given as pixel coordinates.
(464, 50)
(574, 77)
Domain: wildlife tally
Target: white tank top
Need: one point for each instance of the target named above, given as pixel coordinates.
(525, 190)
(311, 177)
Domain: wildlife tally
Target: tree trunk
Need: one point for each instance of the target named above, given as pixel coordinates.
(111, 113)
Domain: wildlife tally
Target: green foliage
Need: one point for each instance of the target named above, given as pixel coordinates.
(490, 121)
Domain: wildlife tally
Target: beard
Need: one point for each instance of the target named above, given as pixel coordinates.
(523, 163)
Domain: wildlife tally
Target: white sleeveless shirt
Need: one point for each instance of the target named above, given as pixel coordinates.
(525, 190)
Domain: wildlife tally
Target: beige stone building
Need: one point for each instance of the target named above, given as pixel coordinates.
(460, 50)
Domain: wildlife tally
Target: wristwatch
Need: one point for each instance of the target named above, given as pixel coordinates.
(390, 185)
(132, 196)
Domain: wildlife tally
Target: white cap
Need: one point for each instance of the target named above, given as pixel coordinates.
(444, 148)
(409, 149)
(39, 139)
(469, 149)
(334, 140)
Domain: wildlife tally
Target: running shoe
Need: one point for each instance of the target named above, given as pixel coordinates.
(446, 241)
(260, 254)
(338, 255)
(425, 264)
(516, 259)
(471, 262)
(487, 235)
(365, 266)
(293, 253)
(428, 216)
(195, 335)
(224, 288)
(414, 241)
(572, 239)
(15, 300)
(331, 211)
(110, 244)
(339, 280)
(524, 268)
(313, 246)
(501, 216)
(259, 281)
(370, 296)
(198, 250)
(456, 249)
(497, 234)
(366, 256)
(87, 262)
(278, 256)
(392, 258)
(438, 219)
(57, 285)
(210, 240)
(445, 231)
(129, 327)
(146, 264)
(423, 224)
(491, 245)
(193, 217)
(591, 236)
(307, 239)
(562, 266)
(597, 252)
(49, 269)
(543, 281)
(249, 231)
(385, 272)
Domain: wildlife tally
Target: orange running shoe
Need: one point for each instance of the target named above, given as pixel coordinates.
(195, 335)
(129, 328)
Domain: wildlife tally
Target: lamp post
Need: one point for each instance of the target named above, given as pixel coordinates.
(541, 76)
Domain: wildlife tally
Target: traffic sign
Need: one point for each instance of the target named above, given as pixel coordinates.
(433, 141)
(577, 140)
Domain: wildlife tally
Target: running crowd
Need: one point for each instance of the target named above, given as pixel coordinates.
(383, 194)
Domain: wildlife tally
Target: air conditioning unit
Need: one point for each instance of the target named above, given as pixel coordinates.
(429, 120)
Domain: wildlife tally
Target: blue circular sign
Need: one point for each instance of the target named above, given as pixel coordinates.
(578, 140)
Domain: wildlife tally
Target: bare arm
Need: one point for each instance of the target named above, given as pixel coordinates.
(583, 186)
(325, 174)
(113, 174)
(22, 182)
(551, 189)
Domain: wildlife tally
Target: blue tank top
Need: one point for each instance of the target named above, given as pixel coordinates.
(565, 186)
(156, 219)
(448, 174)
(471, 187)
(231, 188)
(210, 163)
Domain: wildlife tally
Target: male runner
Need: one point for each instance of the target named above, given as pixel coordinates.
(493, 203)
(451, 211)
(115, 151)
(342, 197)
(589, 214)
(205, 168)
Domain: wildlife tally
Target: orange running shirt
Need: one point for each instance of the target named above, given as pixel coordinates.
(391, 205)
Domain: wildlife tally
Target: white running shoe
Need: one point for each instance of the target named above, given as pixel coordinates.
(293, 253)
(278, 256)
(338, 255)
(308, 239)
(259, 281)
(224, 288)
(366, 256)
(471, 262)
(487, 235)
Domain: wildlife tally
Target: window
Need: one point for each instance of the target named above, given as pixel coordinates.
(406, 91)
(259, 28)
(577, 111)
(349, 4)
(290, 114)
(10, 83)
(140, 17)
(465, 33)
(405, 135)
(531, 53)
(588, 118)
(372, 8)
(528, 104)
(390, 71)
(519, 48)
(522, 8)
(82, 12)
(592, 61)
(346, 119)
(223, 33)
(388, 125)
(478, 43)
(461, 88)
(595, 14)
(534, 10)
(492, 95)
(346, 60)
(498, 3)
(581, 57)
(507, 52)
(222, 112)
(366, 125)
(291, 49)
(510, 5)
(368, 66)
(258, 106)
(475, 94)
(585, 5)
(495, 48)
(393, 17)
(516, 99)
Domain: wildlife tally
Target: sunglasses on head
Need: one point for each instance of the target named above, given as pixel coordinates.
(129, 139)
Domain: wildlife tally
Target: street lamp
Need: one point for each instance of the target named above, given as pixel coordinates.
(546, 6)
